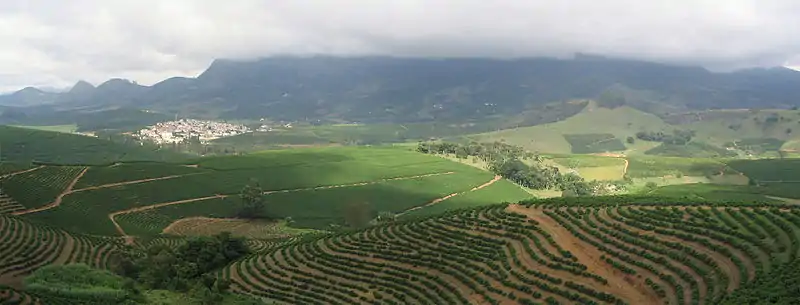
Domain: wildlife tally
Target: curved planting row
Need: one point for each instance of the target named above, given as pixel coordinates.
(8, 205)
(10, 296)
(535, 255)
(485, 256)
(25, 247)
(38, 188)
(686, 255)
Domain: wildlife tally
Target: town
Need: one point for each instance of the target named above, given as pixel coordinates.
(183, 130)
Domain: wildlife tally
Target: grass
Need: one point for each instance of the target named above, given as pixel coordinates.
(591, 167)
(656, 166)
(620, 122)
(71, 128)
(713, 192)
(593, 143)
(500, 191)
(257, 229)
(690, 150)
(769, 169)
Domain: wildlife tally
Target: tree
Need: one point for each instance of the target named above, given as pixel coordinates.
(357, 214)
(252, 201)
(630, 140)
(386, 216)
(650, 186)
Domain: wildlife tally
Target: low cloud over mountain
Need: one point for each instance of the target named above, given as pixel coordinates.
(55, 43)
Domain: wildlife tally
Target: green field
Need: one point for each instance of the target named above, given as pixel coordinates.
(620, 122)
(358, 175)
(593, 143)
(691, 150)
(652, 166)
(783, 170)
(26, 145)
(72, 128)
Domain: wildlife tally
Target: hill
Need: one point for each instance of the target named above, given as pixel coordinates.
(384, 89)
(322, 188)
(594, 130)
(551, 252)
(714, 133)
(23, 145)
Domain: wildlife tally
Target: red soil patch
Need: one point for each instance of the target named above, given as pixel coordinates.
(589, 256)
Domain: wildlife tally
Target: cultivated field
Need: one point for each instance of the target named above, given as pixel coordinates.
(24, 247)
(547, 253)
(314, 187)
(26, 145)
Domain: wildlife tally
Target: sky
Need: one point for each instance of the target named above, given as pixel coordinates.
(54, 43)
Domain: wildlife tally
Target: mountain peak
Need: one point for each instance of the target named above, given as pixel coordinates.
(81, 87)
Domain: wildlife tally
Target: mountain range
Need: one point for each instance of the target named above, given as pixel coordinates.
(388, 89)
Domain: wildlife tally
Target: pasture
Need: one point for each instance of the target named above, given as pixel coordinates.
(593, 143)
(72, 128)
(592, 167)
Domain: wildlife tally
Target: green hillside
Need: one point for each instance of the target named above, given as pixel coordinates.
(316, 188)
(30, 145)
(563, 136)
(716, 133)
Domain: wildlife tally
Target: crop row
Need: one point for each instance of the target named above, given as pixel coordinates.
(40, 187)
(699, 254)
(8, 205)
(25, 247)
(483, 256)
(87, 211)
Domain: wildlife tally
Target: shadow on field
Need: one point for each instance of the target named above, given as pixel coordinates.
(357, 206)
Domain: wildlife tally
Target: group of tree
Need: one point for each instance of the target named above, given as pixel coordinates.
(184, 269)
(508, 161)
(253, 203)
(487, 152)
(678, 137)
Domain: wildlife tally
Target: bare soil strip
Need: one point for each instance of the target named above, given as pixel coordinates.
(625, 169)
(786, 200)
(724, 262)
(437, 200)
(58, 200)
(113, 216)
(589, 256)
(21, 172)
(132, 182)
(189, 221)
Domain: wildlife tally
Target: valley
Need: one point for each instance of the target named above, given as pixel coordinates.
(569, 192)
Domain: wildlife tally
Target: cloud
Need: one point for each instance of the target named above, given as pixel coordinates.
(55, 43)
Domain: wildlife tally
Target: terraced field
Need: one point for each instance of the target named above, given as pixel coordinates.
(24, 247)
(312, 186)
(539, 254)
(42, 186)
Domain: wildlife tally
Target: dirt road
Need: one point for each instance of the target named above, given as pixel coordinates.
(437, 200)
(58, 200)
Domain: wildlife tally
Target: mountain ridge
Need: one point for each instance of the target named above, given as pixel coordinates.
(389, 89)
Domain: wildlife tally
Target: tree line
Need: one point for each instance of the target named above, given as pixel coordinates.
(678, 137)
(516, 164)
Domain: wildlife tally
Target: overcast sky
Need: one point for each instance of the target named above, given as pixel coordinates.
(57, 42)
